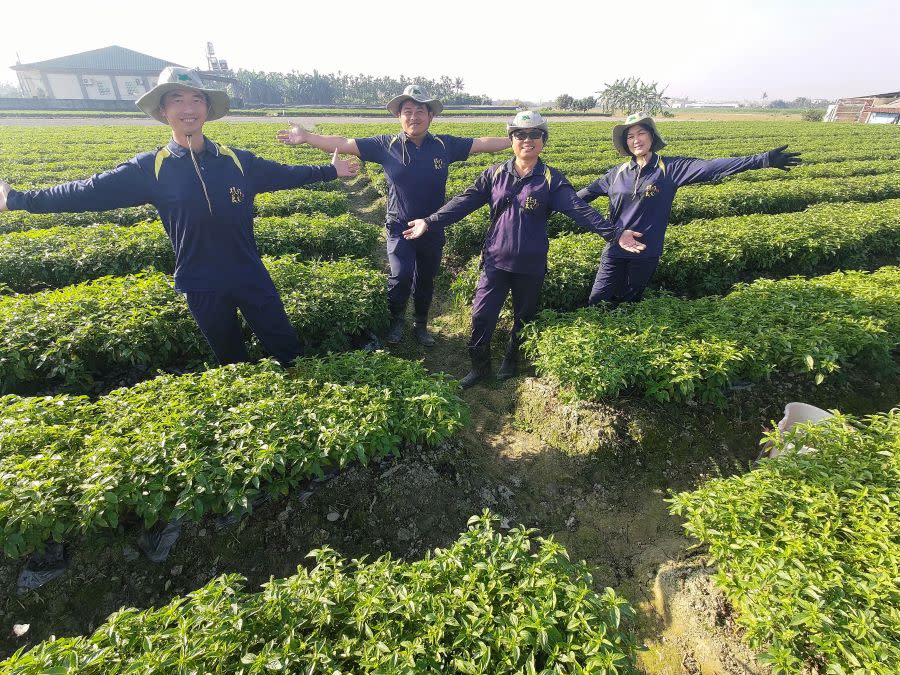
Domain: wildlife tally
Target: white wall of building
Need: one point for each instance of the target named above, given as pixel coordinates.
(131, 87)
(64, 86)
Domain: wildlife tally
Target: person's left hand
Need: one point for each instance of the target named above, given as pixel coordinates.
(417, 228)
(4, 190)
(296, 135)
(628, 241)
(779, 159)
(346, 168)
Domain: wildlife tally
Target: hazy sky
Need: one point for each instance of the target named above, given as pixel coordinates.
(531, 50)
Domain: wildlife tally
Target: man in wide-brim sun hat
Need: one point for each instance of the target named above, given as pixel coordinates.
(641, 192)
(204, 193)
(416, 164)
(522, 194)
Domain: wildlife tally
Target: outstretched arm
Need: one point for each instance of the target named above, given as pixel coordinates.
(297, 135)
(489, 144)
(689, 170)
(564, 200)
(476, 195)
(269, 176)
(599, 188)
(126, 185)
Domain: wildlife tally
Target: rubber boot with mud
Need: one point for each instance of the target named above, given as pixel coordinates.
(509, 365)
(420, 330)
(395, 331)
(481, 366)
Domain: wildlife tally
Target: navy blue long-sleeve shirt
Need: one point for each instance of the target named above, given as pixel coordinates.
(641, 199)
(520, 207)
(210, 223)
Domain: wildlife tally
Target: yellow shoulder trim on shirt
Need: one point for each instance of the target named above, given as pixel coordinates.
(547, 175)
(662, 165)
(228, 152)
(161, 155)
(439, 140)
(497, 171)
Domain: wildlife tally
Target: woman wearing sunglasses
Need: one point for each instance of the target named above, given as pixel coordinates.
(522, 194)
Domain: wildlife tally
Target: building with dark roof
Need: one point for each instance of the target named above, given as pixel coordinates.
(107, 74)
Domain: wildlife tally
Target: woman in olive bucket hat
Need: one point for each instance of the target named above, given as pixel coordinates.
(204, 194)
(522, 193)
(416, 165)
(641, 192)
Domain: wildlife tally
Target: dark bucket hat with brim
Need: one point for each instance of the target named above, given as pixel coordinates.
(620, 130)
(173, 78)
(414, 93)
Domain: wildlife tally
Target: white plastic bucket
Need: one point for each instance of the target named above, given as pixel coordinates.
(797, 413)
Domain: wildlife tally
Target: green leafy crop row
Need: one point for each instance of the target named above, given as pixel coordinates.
(74, 334)
(709, 256)
(61, 256)
(490, 603)
(808, 547)
(205, 443)
(672, 349)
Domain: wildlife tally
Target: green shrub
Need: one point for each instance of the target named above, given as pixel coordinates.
(808, 547)
(671, 349)
(80, 332)
(709, 256)
(490, 603)
(206, 443)
(60, 256)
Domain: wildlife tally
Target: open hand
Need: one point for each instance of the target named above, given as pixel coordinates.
(4, 190)
(779, 159)
(628, 241)
(416, 229)
(346, 168)
(296, 135)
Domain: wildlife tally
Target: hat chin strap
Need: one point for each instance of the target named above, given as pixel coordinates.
(197, 170)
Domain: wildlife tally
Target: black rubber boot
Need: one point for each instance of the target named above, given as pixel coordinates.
(509, 366)
(420, 330)
(481, 366)
(395, 331)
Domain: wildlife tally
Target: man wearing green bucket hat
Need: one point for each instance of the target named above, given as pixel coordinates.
(416, 165)
(641, 192)
(204, 193)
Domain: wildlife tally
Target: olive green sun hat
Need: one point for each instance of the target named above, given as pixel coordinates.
(176, 77)
(414, 93)
(620, 130)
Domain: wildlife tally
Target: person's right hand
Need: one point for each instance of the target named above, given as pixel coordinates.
(629, 241)
(296, 135)
(4, 190)
(417, 228)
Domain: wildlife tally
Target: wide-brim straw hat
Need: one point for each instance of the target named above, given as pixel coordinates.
(414, 93)
(173, 78)
(620, 130)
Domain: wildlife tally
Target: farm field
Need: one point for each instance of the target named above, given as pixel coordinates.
(630, 440)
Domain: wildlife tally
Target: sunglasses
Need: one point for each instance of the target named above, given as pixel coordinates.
(533, 135)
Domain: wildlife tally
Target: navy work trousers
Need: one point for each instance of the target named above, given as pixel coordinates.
(216, 314)
(493, 286)
(621, 279)
(414, 265)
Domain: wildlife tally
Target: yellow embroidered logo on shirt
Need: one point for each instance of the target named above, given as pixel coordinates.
(237, 196)
(530, 204)
(438, 164)
(651, 191)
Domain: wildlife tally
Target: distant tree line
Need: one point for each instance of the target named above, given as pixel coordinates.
(625, 95)
(800, 102)
(316, 88)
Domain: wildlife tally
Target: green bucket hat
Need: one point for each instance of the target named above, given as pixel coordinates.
(414, 93)
(620, 130)
(176, 77)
